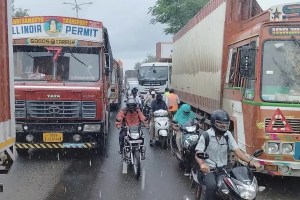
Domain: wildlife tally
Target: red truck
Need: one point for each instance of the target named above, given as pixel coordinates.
(236, 57)
(62, 75)
(7, 119)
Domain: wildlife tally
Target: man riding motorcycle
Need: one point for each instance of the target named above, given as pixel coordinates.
(183, 115)
(157, 104)
(216, 142)
(138, 100)
(129, 116)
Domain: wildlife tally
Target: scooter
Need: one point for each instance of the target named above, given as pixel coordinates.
(189, 140)
(161, 127)
(134, 149)
(237, 183)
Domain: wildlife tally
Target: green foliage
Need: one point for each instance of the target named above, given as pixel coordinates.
(175, 13)
(150, 58)
(19, 12)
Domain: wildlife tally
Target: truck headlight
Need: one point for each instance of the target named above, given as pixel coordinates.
(91, 127)
(273, 148)
(287, 148)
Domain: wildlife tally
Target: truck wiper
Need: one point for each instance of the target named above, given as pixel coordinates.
(295, 41)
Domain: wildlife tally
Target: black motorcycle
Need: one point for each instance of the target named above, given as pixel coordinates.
(189, 141)
(235, 183)
(134, 149)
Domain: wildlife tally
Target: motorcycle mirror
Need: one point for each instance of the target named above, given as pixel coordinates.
(258, 153)
(203, 156)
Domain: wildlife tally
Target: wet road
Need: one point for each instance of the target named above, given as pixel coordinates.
(62, 175)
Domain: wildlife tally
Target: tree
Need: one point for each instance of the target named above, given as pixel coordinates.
(150, 58)
(175, 13)
(19, 12)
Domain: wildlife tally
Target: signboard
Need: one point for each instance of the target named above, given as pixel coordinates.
(284, 31)
(285, 12)
(59, 29)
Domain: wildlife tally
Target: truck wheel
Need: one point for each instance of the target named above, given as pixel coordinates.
(22, 152)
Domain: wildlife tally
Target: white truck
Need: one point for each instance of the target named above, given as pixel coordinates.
(155, 75)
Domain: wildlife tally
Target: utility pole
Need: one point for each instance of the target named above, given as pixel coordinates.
(77, 6)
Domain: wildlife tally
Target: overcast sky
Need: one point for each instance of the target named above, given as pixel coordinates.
(131, 34)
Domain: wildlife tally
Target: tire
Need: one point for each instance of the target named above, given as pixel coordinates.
(164, 143)
(23, 152)
(137, 164)
(198, 192)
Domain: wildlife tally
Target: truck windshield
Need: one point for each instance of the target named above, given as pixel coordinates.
(281, 71)
(73, 64)
(153, 73)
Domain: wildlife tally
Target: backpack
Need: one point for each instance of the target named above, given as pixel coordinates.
(206, 138)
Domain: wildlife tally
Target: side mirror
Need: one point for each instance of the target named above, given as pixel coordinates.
(258, 153)
(247, 63)
(203, 156)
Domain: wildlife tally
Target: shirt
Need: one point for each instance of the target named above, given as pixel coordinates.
(158, 105)
(217, 150)
(172, 101)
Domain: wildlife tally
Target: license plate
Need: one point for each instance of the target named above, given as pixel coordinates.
(272, 168)
(52, 137)
(135, 141)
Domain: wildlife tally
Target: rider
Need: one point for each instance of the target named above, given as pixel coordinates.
(182, 117)
(220, 141)
(157, 104)
(172, 101)
(129, 116)
(150, 98)
(134, 93)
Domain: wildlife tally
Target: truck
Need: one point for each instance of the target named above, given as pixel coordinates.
(116, 86)
(131, 81)
(154, 75)
(62, 77)
(234, 56)
(7, 108)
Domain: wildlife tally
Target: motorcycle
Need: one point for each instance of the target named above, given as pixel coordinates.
(134, 149)
(189, 141)
(161, 127)
(235, 183)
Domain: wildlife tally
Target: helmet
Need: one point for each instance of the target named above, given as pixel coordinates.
(131, 104)
(220, 121)
(134, 90)
(159, 97)
(186, 108)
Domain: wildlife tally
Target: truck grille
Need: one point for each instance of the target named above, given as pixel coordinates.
(88, 109)
(20, 109)
(54, 109)
(294, 123)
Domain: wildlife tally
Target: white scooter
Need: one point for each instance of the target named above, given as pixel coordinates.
(161, 127)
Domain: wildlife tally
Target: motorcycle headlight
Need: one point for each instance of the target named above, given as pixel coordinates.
(273, 148)
(134, 135)
(248, 191)
(191, 128)
(287, 148)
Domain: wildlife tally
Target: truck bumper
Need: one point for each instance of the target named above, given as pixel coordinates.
(280, 168)
(59, 136)
(56, 145)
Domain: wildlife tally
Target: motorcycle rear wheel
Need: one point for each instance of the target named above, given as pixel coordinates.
(137, 164)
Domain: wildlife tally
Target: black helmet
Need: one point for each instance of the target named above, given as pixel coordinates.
(131, 104)
(159, 97)
(134, 90)
(220, 121)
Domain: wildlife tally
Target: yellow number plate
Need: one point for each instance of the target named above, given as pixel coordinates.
(272, 168)
(52, 137)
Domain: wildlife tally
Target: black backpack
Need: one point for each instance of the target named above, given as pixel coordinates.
(206, 138)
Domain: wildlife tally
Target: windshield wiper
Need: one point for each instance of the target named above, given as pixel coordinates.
(295, 41)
